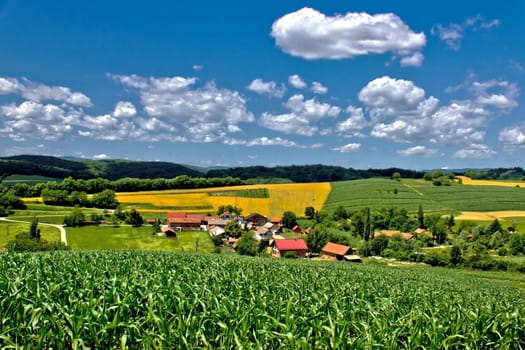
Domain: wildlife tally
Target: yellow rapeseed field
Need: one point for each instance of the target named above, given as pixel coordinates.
(469, 181)
(282, 197)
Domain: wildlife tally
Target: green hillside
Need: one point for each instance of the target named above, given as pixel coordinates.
(87, 169)
(381, 193)
(132, 299)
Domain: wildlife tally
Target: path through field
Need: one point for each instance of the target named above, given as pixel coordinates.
(63, 237)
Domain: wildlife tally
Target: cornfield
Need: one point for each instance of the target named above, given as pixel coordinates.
(104, 300)
(270, 200)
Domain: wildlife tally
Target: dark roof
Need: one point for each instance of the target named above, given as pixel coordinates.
(337, 249)
(290, 244)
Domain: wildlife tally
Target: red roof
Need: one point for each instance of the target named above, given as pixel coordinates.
(337, 249)
(176, 215)
(290, 244)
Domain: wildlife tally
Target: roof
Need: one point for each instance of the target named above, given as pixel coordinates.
(337, 249)
(176, 215)
(275, 220)
(184, 221)
(218, 222)
(253, 216)
(290, 244)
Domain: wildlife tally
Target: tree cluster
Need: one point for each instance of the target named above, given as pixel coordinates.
(70, 185)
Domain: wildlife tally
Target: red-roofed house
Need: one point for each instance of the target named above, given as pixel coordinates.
(336, 251)
(282, 246)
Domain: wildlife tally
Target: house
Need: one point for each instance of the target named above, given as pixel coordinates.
(283, 246)
(390, 233)
(336, 251)
(182, 221)
(263, 232)
(255, 219)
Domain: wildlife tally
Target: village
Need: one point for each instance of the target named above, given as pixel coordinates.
(263, 229)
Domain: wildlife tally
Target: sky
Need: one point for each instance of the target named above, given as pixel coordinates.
(361, 84)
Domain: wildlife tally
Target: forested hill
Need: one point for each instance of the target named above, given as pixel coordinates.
(88, 169)
(310, 173)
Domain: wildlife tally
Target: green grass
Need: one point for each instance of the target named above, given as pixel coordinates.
(153, 300)
(381, 193)
(8, 231)
(138, 238)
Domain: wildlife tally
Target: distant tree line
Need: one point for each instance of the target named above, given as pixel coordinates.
(69, 186)
(496, 174)
(310, 173)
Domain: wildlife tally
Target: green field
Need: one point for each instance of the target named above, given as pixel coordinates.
(8, 231)
(381, 193)
(137, 238)
(153, 300)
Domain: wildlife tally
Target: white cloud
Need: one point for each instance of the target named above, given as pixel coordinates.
(296, 81)
(36, 120)
(475, 151)
(269, 88)
(205, 114)
(513, 137)
(503, 98)
(351, 147)
(419, 151)
(309, 34)
(39, 92)
(277, 141)
(387, 96)
(303, 113)
(415, 60)
(353, 125)
(197, 67)
(100, 156)
(9, 86)
(454, 32)
(318, 88)
(124, 110)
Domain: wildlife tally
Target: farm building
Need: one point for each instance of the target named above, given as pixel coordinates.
(255, 219)
(336, 251)
(182, 221)
(282, 246)
(167, 231)
(297, 229)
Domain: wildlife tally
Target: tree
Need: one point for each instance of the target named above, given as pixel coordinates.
(309, 212)
(34, 231)
(134, 218)
(340, 213)
(317, 238)
(155, 227)
(368, 225)
(289, 219)
(494, 227)
(75, 219)
(420, 217)
(396, 176)
(105, 199)
(247, 244)
(455, 255)
(358, 224)
(427, 177)
(233, 229)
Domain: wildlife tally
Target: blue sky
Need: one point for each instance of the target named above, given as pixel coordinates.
(228, 83)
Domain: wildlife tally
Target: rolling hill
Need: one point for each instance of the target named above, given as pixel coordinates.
(86, 169)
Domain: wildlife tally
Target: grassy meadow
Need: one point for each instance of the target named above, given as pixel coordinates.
(135, 238)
